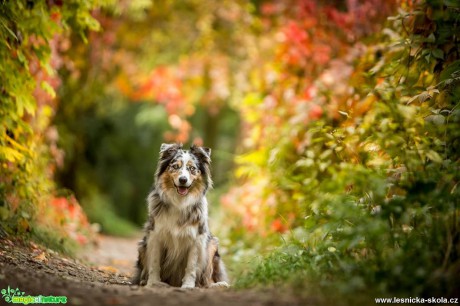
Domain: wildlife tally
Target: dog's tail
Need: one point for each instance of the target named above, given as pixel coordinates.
(219, 273)
(137, 279)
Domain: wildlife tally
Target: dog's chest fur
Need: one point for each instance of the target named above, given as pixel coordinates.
(177, 231)
(169, 228)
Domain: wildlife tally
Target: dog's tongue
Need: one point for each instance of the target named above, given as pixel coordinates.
(182, 190)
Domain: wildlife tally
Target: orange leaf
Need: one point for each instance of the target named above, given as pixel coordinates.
(40, 257)
(109, 269)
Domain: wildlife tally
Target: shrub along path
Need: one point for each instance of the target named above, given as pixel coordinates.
(101, 277)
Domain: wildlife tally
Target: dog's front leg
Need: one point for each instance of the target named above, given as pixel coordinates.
(154, 261)
(190, 271)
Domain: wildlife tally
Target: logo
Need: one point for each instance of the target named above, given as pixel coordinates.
(16, 296)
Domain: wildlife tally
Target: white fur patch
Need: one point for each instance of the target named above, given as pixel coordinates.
(184, 172)
(171, 196)
(184, 248)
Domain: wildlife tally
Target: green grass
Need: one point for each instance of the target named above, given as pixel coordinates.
(290, 269)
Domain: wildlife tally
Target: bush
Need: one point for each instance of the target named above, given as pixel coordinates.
(365, 172)
(30, 33)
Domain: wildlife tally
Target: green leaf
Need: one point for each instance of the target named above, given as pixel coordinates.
(407, 112)
(24, 103)
(450, 70)
(438, 53)
(427, 58)
(434, 156)
(431, 38)
(4, 214)
(22, 58)
(8, 29)
(48, 88)
(436, 119)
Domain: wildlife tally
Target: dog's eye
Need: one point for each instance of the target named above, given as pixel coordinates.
(175, 166)
(191, 168)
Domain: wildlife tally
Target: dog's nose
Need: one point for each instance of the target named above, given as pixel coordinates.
(182, 180)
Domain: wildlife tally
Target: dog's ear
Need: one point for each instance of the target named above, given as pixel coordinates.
(207, 151)
(203, 153)
(167, 153)
(204, 156)
(168, 150)
(166, 146)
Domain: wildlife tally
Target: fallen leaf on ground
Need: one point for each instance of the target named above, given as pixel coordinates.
(40, 257)
(107, 269)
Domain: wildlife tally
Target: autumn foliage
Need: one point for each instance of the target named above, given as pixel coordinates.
(33, 35)
(304, 80)
(351, 144)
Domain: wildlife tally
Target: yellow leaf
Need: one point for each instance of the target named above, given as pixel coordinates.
(10, 154)
(254, 158)
(16, 144)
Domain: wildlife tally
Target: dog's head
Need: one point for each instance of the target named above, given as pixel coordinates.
(183, 173)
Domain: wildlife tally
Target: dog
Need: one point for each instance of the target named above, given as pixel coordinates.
(177, 248)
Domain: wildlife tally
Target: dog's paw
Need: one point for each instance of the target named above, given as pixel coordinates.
(157, 284)
(220, 285)
(188, 286)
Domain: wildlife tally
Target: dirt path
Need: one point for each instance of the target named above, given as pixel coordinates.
(113, 254)
(101, 277)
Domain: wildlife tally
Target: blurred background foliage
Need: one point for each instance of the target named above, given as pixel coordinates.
(150, 75)
(352, 149)
(334, 127)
